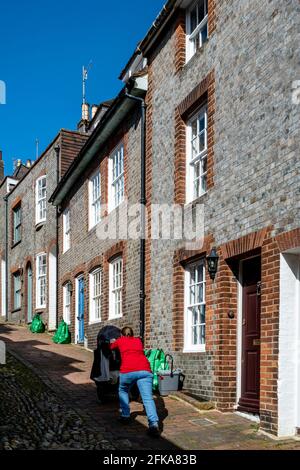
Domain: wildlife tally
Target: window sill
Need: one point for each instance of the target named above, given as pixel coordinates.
(16, 310)
(189, 62)
(66, 251)
(197, 200)
(115, 318)
(95, 322)
(39, 225)
(94, 227)
(194, 351)
(15, 244)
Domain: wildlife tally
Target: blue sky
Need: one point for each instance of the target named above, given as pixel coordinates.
(43, 46)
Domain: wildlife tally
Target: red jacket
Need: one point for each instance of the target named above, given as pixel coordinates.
(133, 358)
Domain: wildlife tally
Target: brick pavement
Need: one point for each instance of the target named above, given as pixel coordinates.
(66, 369)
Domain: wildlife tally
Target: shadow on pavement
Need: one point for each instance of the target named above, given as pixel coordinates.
(67, 372)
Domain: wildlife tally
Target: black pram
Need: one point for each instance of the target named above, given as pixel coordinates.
(106, 365)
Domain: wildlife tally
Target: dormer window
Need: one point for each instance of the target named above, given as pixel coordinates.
(196, 27)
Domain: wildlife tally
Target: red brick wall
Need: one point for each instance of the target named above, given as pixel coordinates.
(270, 272)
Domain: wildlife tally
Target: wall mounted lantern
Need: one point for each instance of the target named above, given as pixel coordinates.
(70, 288)
(212, 263)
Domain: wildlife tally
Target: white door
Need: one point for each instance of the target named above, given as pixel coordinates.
(3, 289)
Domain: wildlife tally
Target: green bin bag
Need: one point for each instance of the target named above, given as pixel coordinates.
(37, 325)
(156, 357)
(62, 335)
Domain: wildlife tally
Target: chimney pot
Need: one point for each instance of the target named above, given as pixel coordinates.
(94, 110)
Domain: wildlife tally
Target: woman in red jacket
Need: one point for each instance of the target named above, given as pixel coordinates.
(135, 368)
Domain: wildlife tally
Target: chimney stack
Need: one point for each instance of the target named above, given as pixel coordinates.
(85, 118)
(1, 167)
(85, 112)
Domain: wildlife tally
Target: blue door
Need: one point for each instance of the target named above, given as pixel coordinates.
(81, 310)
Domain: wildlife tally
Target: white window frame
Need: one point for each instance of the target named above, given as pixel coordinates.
(17, 223)
(189, 346)
(41, 281)
(95, 297)
(66, 230)
(17, 290)
(94, 199)
(193, 160)
(191, 35)
(40, 201)
(67, 300)
(116, 288)
(116, 179)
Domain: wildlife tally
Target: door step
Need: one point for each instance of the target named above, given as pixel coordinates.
(193, 401)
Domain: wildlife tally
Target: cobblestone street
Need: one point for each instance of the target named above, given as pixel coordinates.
(47, 401)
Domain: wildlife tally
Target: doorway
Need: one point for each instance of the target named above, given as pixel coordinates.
(79, 321)
(29, 293)
(250, 277)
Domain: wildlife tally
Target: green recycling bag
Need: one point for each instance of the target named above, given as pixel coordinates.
(156, 357)
(37, 325)
(62, 335)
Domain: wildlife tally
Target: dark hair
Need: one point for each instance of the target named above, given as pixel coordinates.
(127, 331)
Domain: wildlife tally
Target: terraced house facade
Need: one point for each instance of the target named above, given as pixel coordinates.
(98, 266)
(30, 230)
(221, 132)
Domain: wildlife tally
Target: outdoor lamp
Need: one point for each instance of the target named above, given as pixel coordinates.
(212, 263)
(70, 288)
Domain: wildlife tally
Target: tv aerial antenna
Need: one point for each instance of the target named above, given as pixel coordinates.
(85, 71)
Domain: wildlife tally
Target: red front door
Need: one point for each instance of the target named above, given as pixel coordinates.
(250, 380)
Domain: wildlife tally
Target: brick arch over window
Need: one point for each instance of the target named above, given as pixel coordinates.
(95, 263)
(80, 270)
(114, 251)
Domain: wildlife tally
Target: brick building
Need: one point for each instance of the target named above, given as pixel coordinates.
(99, 274)
(222, 132)
(7, 183)
(32, 232)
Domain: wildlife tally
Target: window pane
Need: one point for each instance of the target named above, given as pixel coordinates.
(201, 10)
(204, 34)
(193, 23)
(202, 144)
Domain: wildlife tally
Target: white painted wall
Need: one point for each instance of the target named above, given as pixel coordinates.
(3, 290)
(289, 341)
(52, 290)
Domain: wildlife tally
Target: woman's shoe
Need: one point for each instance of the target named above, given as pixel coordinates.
(153, 431)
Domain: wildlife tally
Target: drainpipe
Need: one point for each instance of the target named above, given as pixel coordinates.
(57, 151)
(6, 257)
(142, 103)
